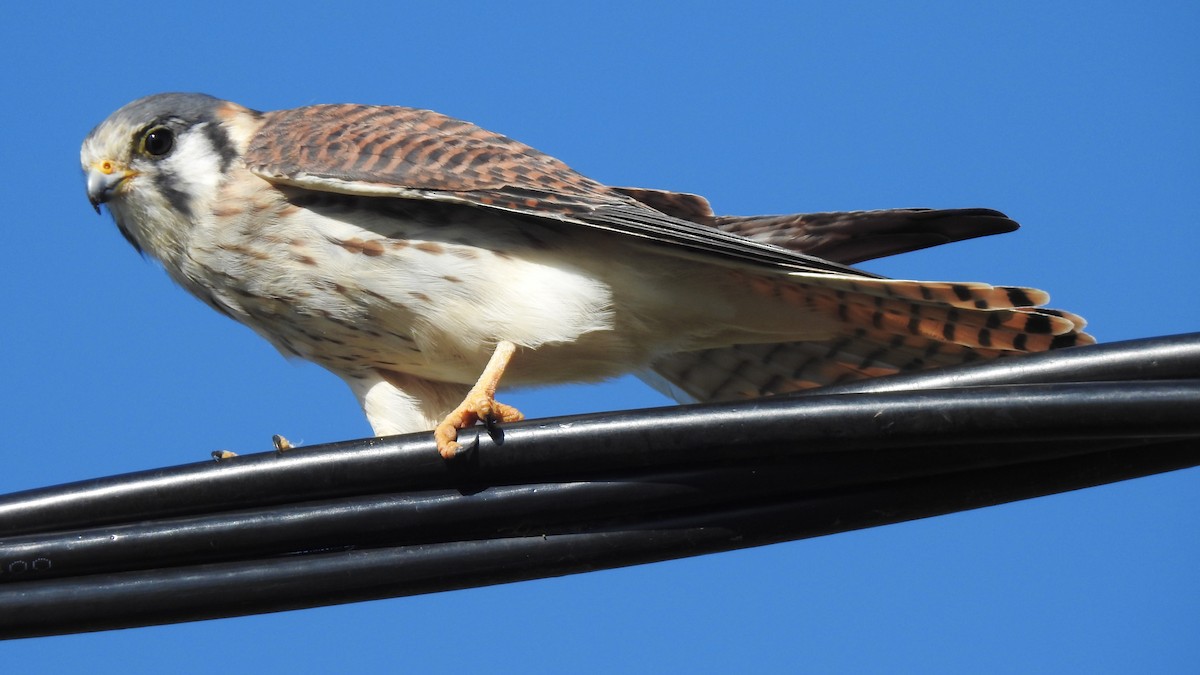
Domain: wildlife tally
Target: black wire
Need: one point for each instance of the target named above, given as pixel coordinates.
(165, 595)
(427, 516)
(576, 446)
(386, 517)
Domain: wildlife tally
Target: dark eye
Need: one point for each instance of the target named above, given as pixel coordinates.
(158, 141)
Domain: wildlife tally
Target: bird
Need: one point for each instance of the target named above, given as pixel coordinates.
(423, 259)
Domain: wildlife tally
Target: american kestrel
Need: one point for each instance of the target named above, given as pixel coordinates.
(415, 255)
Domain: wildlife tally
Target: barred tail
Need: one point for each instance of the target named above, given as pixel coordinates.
(882, 327)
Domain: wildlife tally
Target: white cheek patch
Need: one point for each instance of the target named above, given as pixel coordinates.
(194, 168)
(168, 197)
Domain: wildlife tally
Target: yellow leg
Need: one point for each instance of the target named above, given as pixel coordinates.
(480, 403)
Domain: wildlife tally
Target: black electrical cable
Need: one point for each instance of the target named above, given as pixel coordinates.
(403, 463)
(590, 443)
(386, 517)
(167, 595)
(426, 516)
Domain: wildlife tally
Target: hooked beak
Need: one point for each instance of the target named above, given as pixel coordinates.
(103, 179)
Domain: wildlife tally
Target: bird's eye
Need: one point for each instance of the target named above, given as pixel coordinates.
(158, 141)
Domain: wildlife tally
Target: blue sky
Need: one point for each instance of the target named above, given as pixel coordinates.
(1077, 119)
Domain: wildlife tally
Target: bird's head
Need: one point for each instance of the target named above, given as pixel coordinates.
(158, 162)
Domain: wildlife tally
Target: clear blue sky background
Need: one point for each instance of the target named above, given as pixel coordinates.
(1078, 119)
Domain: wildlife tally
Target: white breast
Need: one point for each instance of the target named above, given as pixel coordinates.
(349, 287)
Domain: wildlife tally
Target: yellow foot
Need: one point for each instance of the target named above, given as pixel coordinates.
(480, 404)
(223, 454)
(281, 444)
(470, 411)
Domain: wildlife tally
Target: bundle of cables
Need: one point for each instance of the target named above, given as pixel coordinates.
(387, 517)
